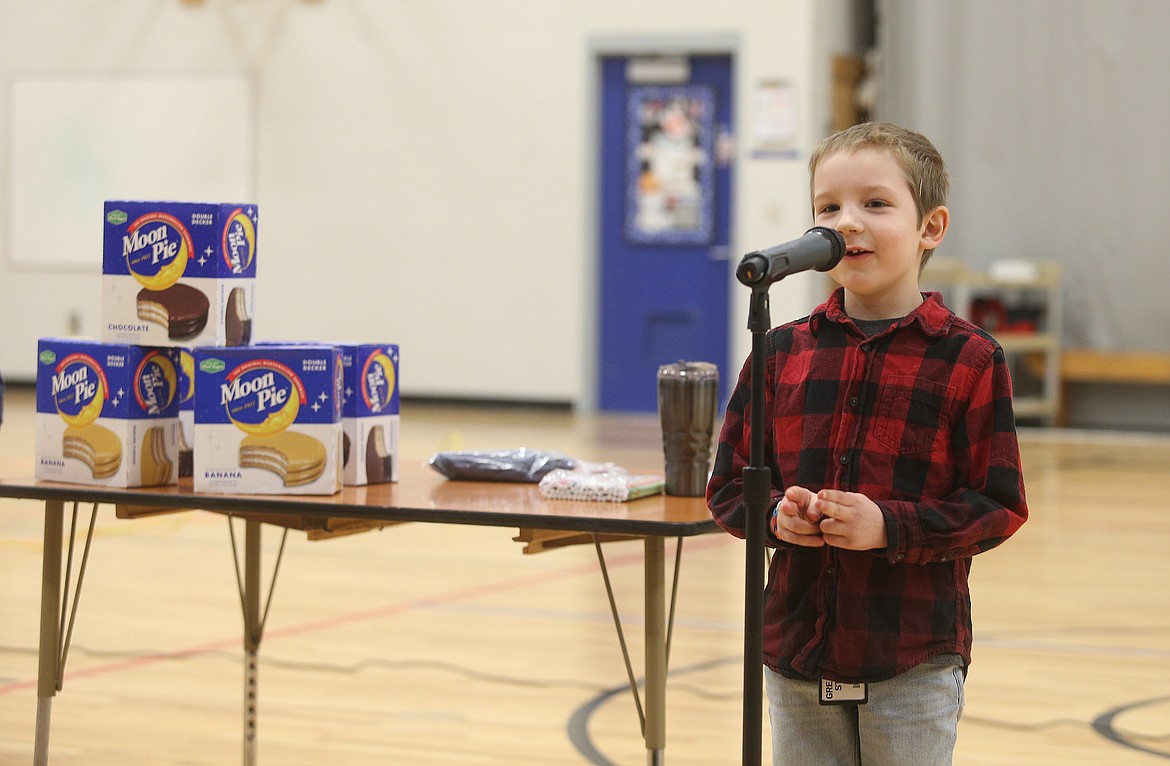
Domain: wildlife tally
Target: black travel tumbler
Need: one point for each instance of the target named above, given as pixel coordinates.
(687, 399)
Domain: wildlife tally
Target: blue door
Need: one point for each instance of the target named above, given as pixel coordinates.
(665, 202)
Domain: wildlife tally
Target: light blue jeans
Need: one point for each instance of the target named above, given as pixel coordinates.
(910, 720)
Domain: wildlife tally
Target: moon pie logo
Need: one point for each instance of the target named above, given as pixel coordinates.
(156, 382)
(187, 376)
(377, 381)
(262, 396)
(156, 247)
(239, 241)
(80, 389)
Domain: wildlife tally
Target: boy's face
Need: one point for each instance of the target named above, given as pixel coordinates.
(864, 195)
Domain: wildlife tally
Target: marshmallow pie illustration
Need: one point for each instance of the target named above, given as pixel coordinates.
(181, 309)
(81, 389)
(96, 446)
(298, 459)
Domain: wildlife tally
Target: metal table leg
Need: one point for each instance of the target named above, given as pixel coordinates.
(659, 626)
(252, 634)
(49, 652)
(57, 614)
(656, 648)
(255, 616)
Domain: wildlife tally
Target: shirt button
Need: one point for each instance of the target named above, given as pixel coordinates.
(899, 556)
(830, 571)
(865, 347)
(844, 460)
(853, 401)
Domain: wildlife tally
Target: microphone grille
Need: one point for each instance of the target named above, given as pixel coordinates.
(836, 245)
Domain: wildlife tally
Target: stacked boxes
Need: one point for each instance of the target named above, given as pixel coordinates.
(370, 413)
(173, 273)
(175, 389)
(178, 273)
(268, 419)
(107, 414)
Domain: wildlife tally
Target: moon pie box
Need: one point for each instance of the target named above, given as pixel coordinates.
(107, 414)
(369, 413)
(268, 419)
(178, 273)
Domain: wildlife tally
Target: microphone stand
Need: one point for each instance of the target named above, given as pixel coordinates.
(757, 489)
(820, 248)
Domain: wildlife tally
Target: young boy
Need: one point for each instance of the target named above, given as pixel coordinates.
(894, 460)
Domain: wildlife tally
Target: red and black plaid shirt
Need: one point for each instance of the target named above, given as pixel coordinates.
(919, 419)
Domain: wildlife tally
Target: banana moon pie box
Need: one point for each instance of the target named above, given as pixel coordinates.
(178, 273)
(107, 414)
(370, 413)
(268, 419)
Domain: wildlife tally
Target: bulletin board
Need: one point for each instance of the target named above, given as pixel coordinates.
(670, 173)
(78, 141)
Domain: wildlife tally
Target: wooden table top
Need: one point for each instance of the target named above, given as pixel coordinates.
(421, 494)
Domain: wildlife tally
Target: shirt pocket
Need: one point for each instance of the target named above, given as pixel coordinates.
(913, 414)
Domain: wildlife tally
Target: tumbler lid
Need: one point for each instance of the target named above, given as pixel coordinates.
(689, 370)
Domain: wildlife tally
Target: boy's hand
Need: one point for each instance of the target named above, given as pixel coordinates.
(850, 520)
(795, 521)
(846, 520)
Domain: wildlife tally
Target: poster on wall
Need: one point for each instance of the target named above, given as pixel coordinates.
(670, 171)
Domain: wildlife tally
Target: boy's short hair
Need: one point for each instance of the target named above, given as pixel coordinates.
(915, 154)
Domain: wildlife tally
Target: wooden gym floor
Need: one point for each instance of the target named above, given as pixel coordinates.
(427, 644)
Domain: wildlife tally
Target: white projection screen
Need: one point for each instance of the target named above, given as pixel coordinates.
(76, 142)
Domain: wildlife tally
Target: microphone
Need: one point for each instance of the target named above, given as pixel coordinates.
(820, 248)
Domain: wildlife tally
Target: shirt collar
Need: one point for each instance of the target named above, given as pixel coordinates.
(931, 315)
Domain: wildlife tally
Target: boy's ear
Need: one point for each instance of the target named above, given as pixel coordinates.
(934, 227)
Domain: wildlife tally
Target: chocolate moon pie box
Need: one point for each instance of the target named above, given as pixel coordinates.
(268, 419)
(107, 414)
(369, 413)
(178, 273)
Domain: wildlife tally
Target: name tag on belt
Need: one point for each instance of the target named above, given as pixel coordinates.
(833, 693)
